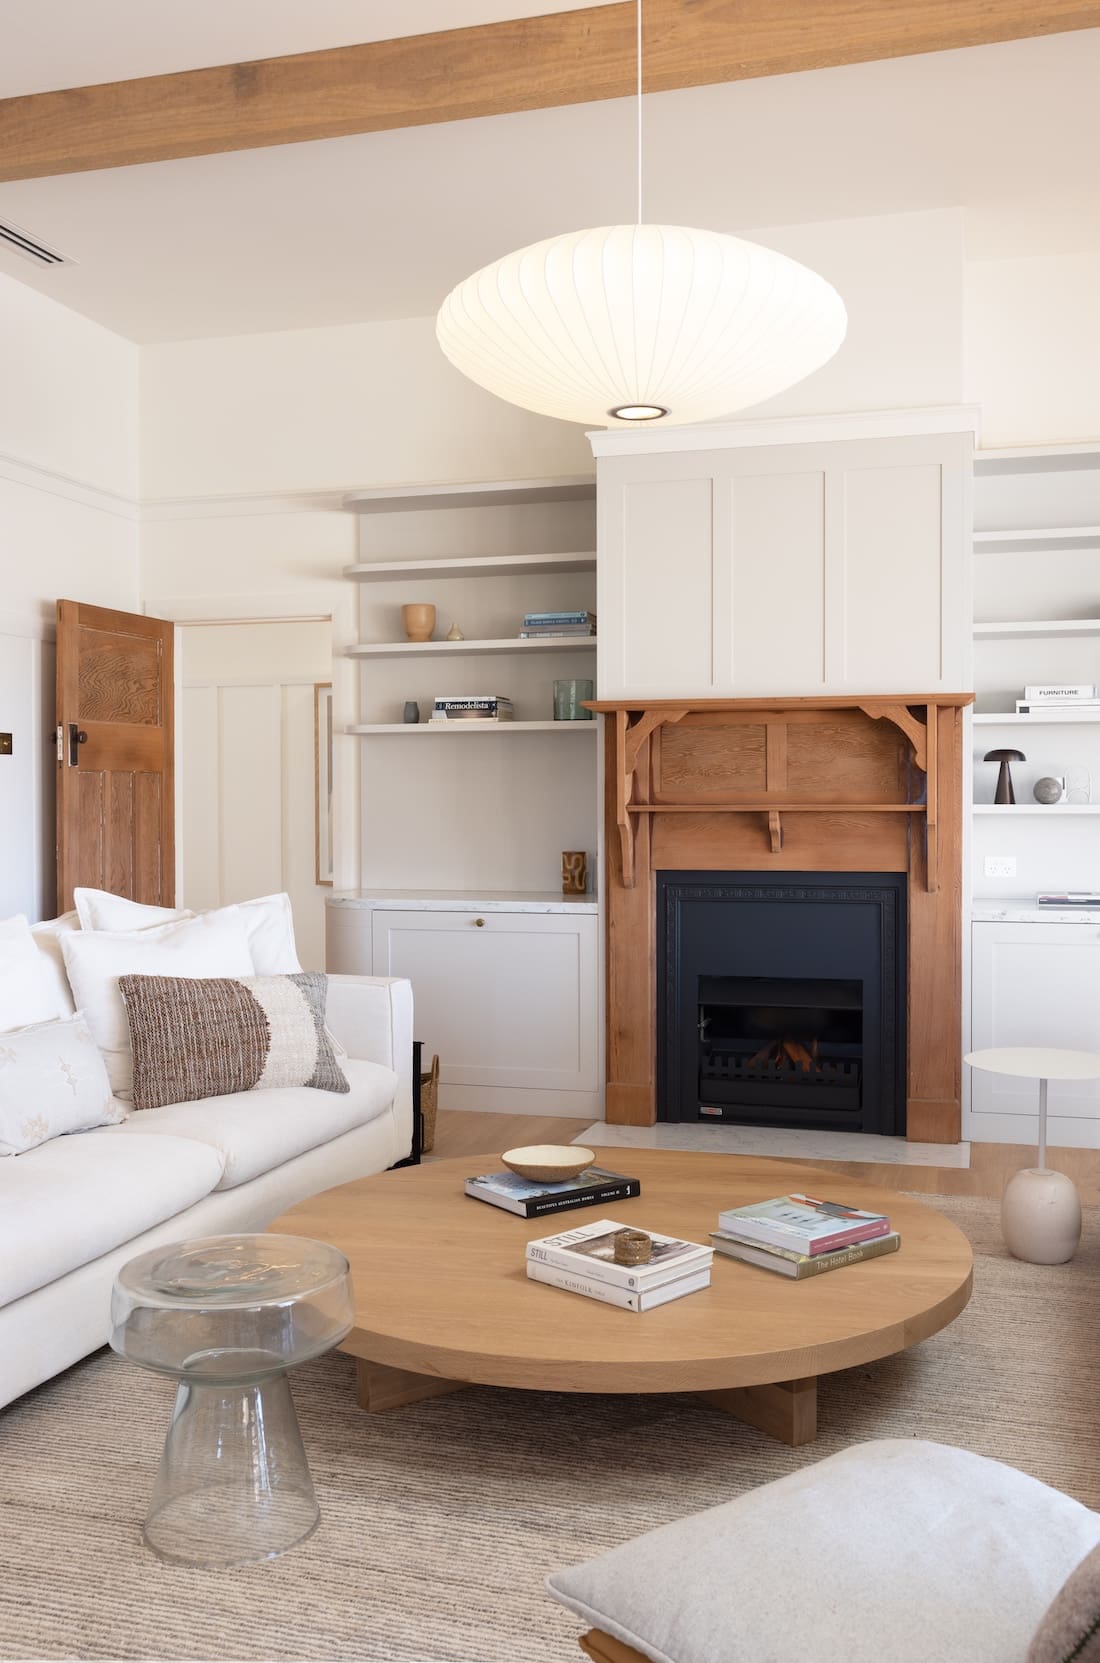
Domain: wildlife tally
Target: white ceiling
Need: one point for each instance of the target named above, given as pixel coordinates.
(75, 43)
(382, 225)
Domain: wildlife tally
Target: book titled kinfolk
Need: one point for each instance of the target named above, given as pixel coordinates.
(530, 1197)
(787, 1262)
(588, 1251)
(609, 1293)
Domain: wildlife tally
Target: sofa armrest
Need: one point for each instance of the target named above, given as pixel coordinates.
(372, 1017)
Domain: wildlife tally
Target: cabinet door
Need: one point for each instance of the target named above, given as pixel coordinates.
(1036, 984)
(506, 999)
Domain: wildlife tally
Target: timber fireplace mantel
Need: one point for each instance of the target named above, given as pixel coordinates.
(852, 784)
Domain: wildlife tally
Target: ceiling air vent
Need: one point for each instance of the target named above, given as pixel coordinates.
(30, 248)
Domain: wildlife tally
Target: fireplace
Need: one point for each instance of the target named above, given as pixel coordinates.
(781, 1000)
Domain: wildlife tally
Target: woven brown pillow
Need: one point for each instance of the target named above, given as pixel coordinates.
(212, 1036)
(1070, 1631)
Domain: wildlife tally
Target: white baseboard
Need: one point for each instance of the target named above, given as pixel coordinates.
(1063, 1131)
(527, 1100)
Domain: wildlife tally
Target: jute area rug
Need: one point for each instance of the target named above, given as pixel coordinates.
(441, 1520)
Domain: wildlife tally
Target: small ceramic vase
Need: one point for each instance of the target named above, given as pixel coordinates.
(412, 711)
(455, 634)
(418, 620)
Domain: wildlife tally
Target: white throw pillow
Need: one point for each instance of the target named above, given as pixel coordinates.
(213, 944)
(52, 1080)
(47, 938)
(269, 920)
(27, 993)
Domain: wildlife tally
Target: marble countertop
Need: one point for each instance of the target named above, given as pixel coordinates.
(462, 900)
(984, 911)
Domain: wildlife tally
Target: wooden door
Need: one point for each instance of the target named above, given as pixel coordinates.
(115, 755)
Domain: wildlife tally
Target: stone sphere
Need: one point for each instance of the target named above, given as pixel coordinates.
(1047, 790)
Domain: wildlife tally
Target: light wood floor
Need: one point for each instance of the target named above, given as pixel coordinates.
(464, 1132)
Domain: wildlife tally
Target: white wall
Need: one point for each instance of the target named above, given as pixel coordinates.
(1033, 348)
(68, 530)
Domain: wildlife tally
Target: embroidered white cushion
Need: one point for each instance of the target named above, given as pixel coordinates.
(27, 993)
(52, 1081)
(269, 920)
(212, 944)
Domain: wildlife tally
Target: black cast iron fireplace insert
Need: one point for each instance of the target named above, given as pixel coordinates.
(781, 1000)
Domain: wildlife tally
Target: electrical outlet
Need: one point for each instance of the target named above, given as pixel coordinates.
(1000, 866)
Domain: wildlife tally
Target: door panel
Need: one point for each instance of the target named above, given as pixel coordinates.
(115, 796)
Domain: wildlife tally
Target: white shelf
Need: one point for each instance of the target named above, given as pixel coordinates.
(1049, 809)
(493, 565)
(473, 726)
(1037, 539)
(464, 649)
(484, 494)
(1034, 629)
(1007, 718)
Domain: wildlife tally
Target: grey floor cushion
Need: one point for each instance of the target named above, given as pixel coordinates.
(899, 1550)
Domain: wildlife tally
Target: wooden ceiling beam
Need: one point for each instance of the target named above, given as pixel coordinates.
(495, 69)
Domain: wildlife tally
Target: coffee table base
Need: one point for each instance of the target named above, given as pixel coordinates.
(785, 1410)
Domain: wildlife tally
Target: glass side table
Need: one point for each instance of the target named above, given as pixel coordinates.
(227, 1317)
(1040, 1209)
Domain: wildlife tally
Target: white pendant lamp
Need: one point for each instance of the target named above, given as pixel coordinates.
(629, 324)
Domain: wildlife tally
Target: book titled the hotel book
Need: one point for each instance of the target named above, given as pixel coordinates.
(786, 1262)
(582, 1260)
(530, 1197)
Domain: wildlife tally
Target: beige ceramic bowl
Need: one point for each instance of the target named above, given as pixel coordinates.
(551, 1163)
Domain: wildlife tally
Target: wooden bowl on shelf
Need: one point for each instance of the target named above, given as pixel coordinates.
(548, 1163)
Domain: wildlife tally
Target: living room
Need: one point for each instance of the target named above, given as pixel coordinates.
(711, 870)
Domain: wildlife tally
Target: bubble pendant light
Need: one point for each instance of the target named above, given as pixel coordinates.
(631, 324)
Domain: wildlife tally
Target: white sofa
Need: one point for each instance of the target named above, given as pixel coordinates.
(76, 1208)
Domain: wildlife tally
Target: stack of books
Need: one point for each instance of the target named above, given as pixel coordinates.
(799, 1236)
(471, 707)
(538, 625)
(583, 1261)
(530, 1197)
(1070, 699)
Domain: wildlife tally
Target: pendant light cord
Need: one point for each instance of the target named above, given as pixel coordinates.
(639, 103)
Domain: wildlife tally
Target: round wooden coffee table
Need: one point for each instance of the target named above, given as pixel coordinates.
(442, 1298)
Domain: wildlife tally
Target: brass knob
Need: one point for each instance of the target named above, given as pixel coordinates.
(480, 922)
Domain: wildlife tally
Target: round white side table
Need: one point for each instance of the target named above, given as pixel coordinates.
(1040, 1209)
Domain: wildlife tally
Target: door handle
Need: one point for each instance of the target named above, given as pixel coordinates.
(77, 737)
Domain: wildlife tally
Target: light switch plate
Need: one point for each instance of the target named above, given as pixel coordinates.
(1000, 866)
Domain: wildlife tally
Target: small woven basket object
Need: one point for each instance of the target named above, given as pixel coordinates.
(429, 1105)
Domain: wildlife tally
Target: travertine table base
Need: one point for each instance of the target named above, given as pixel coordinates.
(443, 1299)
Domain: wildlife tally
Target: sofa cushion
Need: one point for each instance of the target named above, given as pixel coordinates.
(214, 945)
(254, 1132)
(197, 1037)
(1070, 1631)
(27, 993)
(73, 1199)
(47, 938)
(268, 920)
(899, 1549)
(52, 1081)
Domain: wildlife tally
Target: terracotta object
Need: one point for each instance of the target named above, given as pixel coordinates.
(418, 621)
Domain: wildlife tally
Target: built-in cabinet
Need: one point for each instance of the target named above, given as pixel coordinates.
(757, 562)
(506, 992)
(1035, 982)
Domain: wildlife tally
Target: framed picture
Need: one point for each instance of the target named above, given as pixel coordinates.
(322, 779)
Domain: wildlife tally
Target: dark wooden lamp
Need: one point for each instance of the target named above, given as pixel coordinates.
(1004, 792)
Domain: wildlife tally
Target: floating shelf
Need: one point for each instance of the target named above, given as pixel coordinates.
(486, 494)
(1010, 718)
(1035, 540)
(463, 649)
(473, 726)
(1034, 629)
(493, 565)
(1049, 809)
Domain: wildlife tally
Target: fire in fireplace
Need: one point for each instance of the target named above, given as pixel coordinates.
(782, 1002)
